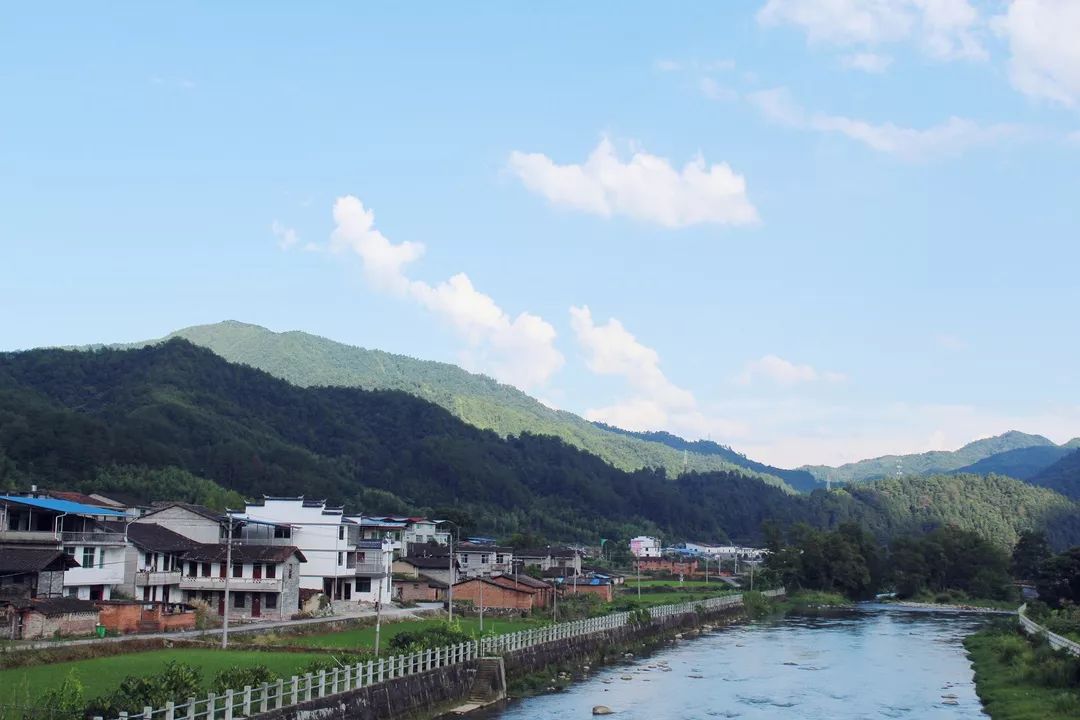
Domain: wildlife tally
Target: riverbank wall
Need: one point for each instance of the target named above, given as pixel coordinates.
(427, 683)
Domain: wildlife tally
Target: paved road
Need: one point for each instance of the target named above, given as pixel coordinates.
(389, 613)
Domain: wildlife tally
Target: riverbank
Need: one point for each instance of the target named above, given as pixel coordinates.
(948, 607)
(1020, 679)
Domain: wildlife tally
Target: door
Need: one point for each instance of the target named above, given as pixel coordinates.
(256, 604)
(221, 604)
(256, 571)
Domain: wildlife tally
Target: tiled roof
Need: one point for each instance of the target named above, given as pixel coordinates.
(559, 552)
(51, 607)
(243, 553)
(159, 538)
(521, 580)
(429, 563)
(26, 560)
(190, 507)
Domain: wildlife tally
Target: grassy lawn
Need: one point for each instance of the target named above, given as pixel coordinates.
(1019, 681)
(103, 675)
(632, 583)
(365, 637)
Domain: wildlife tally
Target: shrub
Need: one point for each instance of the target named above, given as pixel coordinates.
(66, 702)
(432, 637)
(236, 678)
(176, 682)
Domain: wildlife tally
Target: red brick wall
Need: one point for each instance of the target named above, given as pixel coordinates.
(120, 618)
(494, 596)
(417, 591)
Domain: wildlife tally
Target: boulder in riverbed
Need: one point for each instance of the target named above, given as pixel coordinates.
(602, 710)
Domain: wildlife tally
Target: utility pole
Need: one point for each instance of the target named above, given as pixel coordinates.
(228, 572)
(706, 569)
(378, 598)
(481, 581)
(453, 571)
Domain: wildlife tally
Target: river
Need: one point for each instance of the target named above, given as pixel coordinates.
(872, 662)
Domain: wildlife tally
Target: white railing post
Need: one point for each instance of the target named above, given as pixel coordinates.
(370, 672)
(294, 686)
(309, 680)
(382, 668)
(264, 697)
(245, 704)
(280, 694)
(228, 704)
(147, 711)
(170, 710)
(211, 709)
(359, 675)
(191, 708)
(322, 682)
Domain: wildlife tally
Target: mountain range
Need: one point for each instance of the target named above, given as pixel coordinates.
(312, 361)
(176, 420)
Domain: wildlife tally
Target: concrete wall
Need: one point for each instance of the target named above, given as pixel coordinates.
(186, 523)
(36, 625)
(402, 697)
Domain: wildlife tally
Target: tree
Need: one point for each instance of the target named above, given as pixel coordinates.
(1059, 579)
(1031, 551)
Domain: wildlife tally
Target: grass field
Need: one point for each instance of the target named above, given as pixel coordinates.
(651, 599)
(364, 638)
(20, 686)
(719, 584)
(1018, 681)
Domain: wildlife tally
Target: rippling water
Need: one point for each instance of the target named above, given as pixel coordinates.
(870, 663)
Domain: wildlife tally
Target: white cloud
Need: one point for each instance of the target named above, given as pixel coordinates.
(951, 137)
(646, 187)
(286, 236)
(941, 29)
(1044, 42)
(867, 62)
(715, 91)
(655, 402)
(520, 351)
(783, 372)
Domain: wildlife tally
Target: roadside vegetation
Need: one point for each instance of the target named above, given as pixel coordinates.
(1018, 678)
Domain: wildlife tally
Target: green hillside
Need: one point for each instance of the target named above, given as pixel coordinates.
(1063, 476)
(800, 480)
(936, 461)
(1021, 463)
(308, 361)
(176, 419)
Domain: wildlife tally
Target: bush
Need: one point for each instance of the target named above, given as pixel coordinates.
(236, 678)
(432, 637)
(176, 682)
(66, 702)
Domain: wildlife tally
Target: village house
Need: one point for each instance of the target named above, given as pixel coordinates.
(41, 618)
(645, 546)
(76, 529)
(33, 572)
(340, 562)
(566, 559)
(155, 562)
(486, 592)
(196, 522)
(475, 560)
(264, 580)
(667, 566)
(437, 568)
(422, 588)
(541, 591)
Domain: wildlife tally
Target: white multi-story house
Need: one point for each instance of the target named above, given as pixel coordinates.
(645, 546)
(340, 563)
(83, 532)
(475, 560)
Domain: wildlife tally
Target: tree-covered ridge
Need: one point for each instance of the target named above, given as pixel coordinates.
(929, 463)
(1063, 476)
(312, 361)
(178, 415)
(800, 480)
(1021, 463)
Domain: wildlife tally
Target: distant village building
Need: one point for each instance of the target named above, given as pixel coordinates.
(482, 560)
(565, 559)
(645, 546)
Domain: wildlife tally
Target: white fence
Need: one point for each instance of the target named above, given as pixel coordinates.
(251, 701)
(1056, 641)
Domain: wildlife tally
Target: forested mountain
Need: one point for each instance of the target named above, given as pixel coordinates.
(800, 480)
(1021, 463)
(309, 361)
(176, 415)
(1063, 476)
(928, 463)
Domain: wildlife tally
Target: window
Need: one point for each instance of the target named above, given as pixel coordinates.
(237, 570)
(148, 559)
(483, 559)
(69, 550)
(101, 559)
(206, 569)
(499, 560)
(464, 559)
(271, 601)
(87, 557)
(341, 558)
(271, 570)
(238, 600)
(290, 572)
(192, 569)
(282, 532)
(341, 534)
(363, 584)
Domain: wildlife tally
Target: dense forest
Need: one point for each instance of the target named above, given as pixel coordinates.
(178, 419)
(312, 361)
(1063, 476)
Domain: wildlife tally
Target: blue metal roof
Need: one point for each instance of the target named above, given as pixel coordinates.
(62, 506)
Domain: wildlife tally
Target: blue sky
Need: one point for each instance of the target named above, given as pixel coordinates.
(815, 230)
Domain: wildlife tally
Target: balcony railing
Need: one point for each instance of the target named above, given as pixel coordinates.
(370, 568)
(145, 578)
(92, 538)
(37, 537)
(245, 584)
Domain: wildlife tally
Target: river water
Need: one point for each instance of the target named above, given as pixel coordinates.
(872, 662)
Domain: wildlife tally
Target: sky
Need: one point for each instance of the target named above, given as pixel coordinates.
(813, 230)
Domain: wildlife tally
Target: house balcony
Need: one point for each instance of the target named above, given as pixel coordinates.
(369, 568)
(153, 578)
(92, 538)
(245, 584)
(45, 538)
(108, 575)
